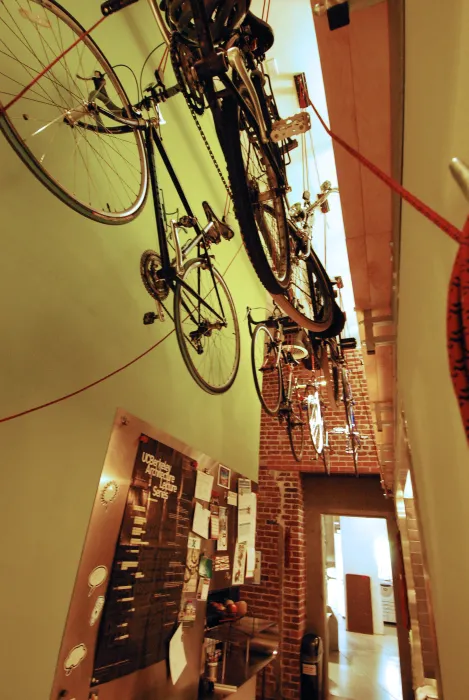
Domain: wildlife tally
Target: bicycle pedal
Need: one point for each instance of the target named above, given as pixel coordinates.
(149, 318)
(286, 128)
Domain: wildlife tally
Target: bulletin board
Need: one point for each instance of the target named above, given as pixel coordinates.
(138, 580)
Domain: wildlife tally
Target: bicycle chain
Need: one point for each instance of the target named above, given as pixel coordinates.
(173, 50)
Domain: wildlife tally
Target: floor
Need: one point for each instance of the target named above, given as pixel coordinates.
(366, 667)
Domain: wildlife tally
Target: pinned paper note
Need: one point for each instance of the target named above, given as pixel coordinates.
(177, 655)
(214, 526)
(203, 486)
(201, 521)
(191, 575)
(245, 518)
(250, 562)
(222, 542)
(202, 591)
(239, 565)
(232, 498)
(244, 486)
(205, 567)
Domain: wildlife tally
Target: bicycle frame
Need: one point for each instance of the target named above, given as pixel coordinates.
(291, 384)
(171, 269)
(214, 64)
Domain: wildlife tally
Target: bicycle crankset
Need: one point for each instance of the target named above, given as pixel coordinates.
(150, 262)
(183, 58)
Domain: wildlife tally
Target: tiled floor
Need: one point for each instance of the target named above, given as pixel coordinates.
(366, 667)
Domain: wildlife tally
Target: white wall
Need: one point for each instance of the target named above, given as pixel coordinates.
(436, 129)
(71, 304)
(359, 539)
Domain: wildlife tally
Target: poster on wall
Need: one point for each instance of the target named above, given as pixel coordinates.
(147, 576)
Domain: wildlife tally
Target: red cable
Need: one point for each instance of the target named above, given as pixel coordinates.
(414, 201)
(107, 376)
(51, 65)
(88, 386)
(457, 319)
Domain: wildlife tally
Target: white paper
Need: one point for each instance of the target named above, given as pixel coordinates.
(232, 498)
(244, 486)
(214, 527)
(222, 542)
(245, 521)
(239, 564)
(203, 486)
(201, 521)
(177, 655)
(202, 592)
(194, 542)
(250, 562)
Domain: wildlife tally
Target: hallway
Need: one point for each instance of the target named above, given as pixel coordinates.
(367, 666)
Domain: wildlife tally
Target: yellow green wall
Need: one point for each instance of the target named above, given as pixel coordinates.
(436, 129)
(71, 308)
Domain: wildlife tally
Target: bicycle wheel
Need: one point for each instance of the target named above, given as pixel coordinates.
(266, 369)
(315, 422)
(96, 167)
(295, 428)
(328, 374)
(326, 452)
(353, 437)
(309, 299)
(253, 182)
(208, 337)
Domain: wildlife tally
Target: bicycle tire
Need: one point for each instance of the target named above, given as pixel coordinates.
(317, 435)
(276, 383)
(295, 429)
(181, 315)
(309, 284)
(350, 419)
(67, 155)
(251, 214)
(328, 377)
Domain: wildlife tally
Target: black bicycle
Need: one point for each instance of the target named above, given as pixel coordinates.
(77, 132)
(273, 361)
(217, 52)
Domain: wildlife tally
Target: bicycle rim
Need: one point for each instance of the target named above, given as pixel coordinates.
(309, 298)
(95, 167)
(315, 422)
(266, 369)
(211, 354)
(252, 182)
(328, 377)
(295, 428)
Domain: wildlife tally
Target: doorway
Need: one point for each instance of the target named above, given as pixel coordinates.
(360, 610)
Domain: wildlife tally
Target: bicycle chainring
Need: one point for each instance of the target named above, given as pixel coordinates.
(183, 58)
(150, 262)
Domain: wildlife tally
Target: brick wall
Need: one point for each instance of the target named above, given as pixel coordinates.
(423, 615)
(275, 450)
(281, 596)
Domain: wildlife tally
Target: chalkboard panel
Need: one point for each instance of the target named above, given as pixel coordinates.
(145, 587)
(129, 586)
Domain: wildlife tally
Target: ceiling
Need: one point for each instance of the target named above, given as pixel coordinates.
(361, 94)
(362, 67)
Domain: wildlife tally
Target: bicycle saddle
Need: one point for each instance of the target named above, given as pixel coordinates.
(260, 30)
(219, 228)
